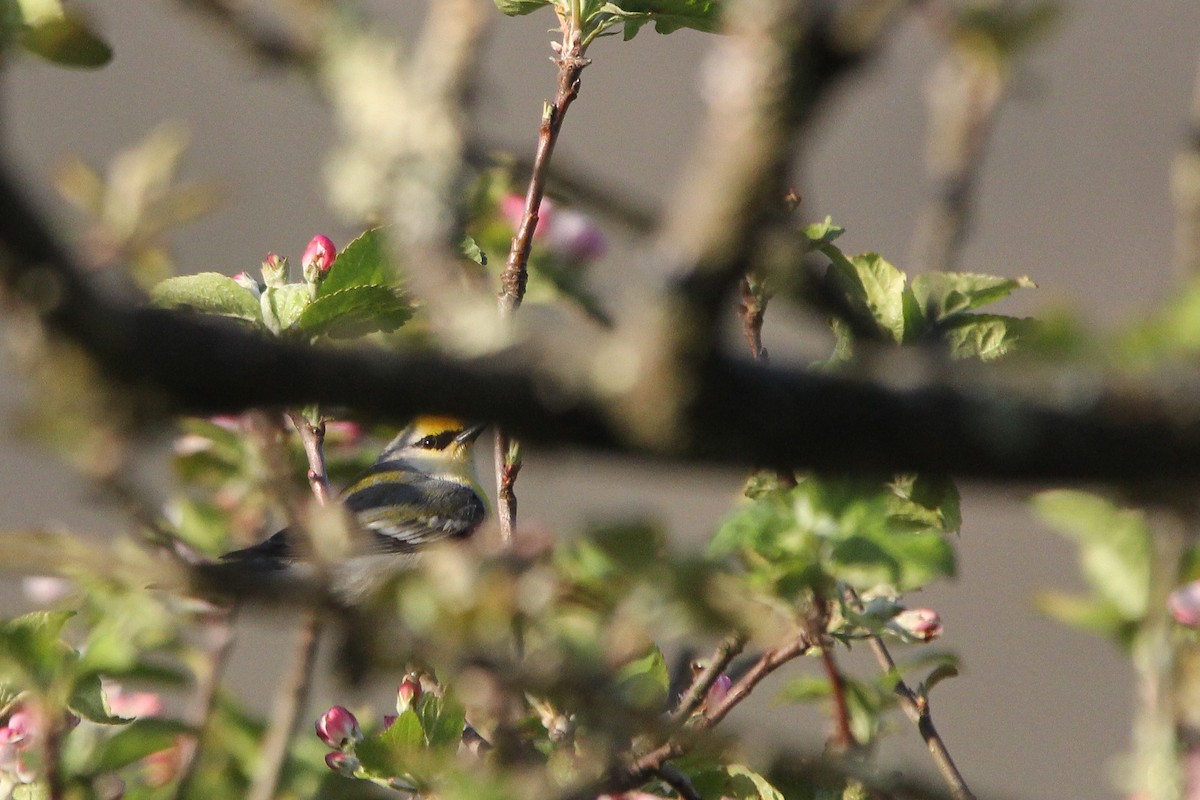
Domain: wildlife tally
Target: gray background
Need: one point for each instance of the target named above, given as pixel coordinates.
(1075, 194)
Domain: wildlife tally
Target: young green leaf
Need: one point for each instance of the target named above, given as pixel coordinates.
(668, 16)
(943, 294)
(517, 7)
(1114, 546)
(872, 287)
(387, 754)
(983, 336)
(355, 311)
(282, 306)
(643, 682)
(208, 293)
(137, 740)
(88, 701)
(366, 261)
(442, 720)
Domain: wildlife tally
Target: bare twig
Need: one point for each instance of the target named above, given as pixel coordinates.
(767, 663)
(219, 638)
(513, 278)
(843, 736)
(312, 436)
(917, 710)
(963, 93)
(1185, 191)
(726, 652)
(285, 712)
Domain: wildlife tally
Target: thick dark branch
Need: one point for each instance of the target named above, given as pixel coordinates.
(739, 413)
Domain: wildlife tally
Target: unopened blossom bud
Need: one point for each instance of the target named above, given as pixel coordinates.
(342, 763)
(408, 693)
(717, 692)
(575, 236)
(318, 258)
(338, 728)
(244, 280)
(921, 624)
(1184, 604)
(274, 270)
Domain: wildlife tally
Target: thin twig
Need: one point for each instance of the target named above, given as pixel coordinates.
(962, 94)
(292, 696)
(218, 631)
(843, 736)
(917, 710)
(312, 436)
(726, 652)
(767, 663)
(285, 712)
(1185, 192)
(515, 276)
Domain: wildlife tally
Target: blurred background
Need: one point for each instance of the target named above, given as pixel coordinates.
(1074, 193)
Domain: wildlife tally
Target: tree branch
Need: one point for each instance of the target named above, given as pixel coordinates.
(917, 710)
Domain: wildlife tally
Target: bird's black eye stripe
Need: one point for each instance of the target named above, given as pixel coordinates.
(439, 441)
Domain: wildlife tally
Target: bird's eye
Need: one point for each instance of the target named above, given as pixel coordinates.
(427, 443)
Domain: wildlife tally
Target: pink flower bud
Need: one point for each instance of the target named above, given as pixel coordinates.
(320, 254)
(274, 270)
(1184, 604)
(244, 280)
(408, 693)
(338, 728)
(342, 763)
(717, 692)
(921, 624)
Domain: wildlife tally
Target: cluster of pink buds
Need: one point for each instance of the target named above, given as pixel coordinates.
(339, 729)
(317, 259)
(567, 233)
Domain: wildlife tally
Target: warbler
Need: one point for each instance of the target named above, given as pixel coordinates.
(421, 489)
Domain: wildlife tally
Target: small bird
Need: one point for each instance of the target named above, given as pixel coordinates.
(422, 489)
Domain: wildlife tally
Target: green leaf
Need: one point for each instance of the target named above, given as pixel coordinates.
(762, 787)
(643, 682)
(905, 561)
(386, 754)
(88, 701)
(366, 261)
(283, 305)
(442, 720)
(31, 643)
(984, 336)
(1089, 614)
(926, 501)
(668, 16)
(67, 41)
(137, 740)
(471, 249)
(515, 8)
(208, 293)
(944, 294)
(822, 233)
(873, 288)
(1114, 546)
(355, 311)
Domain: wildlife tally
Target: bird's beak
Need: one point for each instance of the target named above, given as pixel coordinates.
(470, 434)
